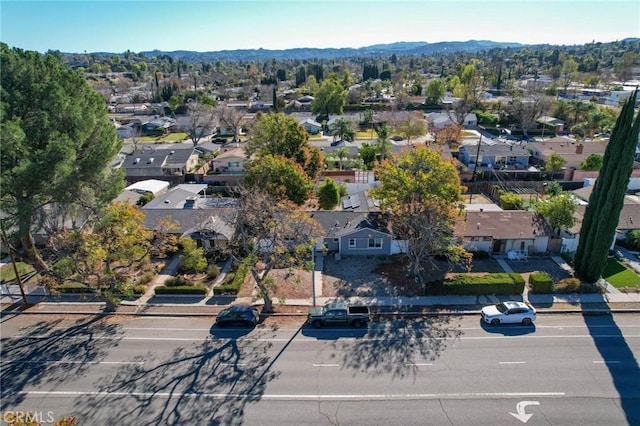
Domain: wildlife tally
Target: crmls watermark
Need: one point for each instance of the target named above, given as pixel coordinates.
(28, 417)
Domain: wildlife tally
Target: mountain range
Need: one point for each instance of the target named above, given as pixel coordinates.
(400, 48)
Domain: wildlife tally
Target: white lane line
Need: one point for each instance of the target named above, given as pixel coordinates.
(511, 362)
(326, 365)
(231, 364)
(606, 362)
(294, 397)
(166, 329)
(75, 362)
(419, 364)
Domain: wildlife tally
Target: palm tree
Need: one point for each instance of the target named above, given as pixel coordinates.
(342, 154)
(343, 129)
(383, 140)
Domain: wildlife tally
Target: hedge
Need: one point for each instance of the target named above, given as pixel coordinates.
(73, 288)
(233, 281)
(185, 289)
(541, 283)
(478, 285)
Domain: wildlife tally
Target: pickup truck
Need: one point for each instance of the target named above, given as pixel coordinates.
(339, 313)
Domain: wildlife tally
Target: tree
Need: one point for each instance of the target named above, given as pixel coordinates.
(343, 129)
(569, 68)
(526, 110)
(279, 134)
(202, 120)
(384, 131)
(606, 200)
(231, 118)
(411, 124)
(280, 176)
(271, 233)
(593, 162)
(57, 145)
(558, 210)
(104, 257)
(329, 98)
(624, 67)
(367, 155)
(192, 258)
(342, 154)
(435, 92)
(510, 201)
(423, 193)
(554, 163)
(328, 195)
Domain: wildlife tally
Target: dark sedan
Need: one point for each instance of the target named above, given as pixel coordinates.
(239, 315)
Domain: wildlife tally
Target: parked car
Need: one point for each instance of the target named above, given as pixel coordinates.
(339, 313)
(241, 315)
(509, 312)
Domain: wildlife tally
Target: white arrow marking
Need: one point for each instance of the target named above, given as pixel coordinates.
(522, 415)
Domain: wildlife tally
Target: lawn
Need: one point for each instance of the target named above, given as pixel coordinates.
(367, 135)
(7, 274)
(619, 276)
(171, 137)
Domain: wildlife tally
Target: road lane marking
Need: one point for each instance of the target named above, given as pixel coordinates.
(294, 397)
(419, 364)
(326, 365)
(75, 362)
(606, 362)
(167, 329)
(232, 364)
(512, 362)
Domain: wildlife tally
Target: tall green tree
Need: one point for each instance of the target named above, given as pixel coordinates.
(435, 92)
(606, 200)
(329, 98)
(593, 162)
(555, 162)
(423, 193)
(342, 128)
(280, 176)
(558, 210)
(57, 144)
(279, 134)
(328, 195)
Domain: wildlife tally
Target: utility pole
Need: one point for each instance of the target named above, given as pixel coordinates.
(475, 167)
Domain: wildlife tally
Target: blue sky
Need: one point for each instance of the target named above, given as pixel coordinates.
(115, 26)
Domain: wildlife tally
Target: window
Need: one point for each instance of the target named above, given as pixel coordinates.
(375, 242)
(234, 164)
(352, 243)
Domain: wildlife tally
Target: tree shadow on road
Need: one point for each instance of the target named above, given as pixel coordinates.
(45, 353)
(205, 383)
(398, 346)
(619, 360)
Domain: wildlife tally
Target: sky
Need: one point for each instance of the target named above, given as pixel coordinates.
(212, 25)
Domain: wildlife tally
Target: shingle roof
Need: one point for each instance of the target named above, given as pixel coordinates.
(502, 225)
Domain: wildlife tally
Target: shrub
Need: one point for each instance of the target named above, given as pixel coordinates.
(213, 271)
(481, 254)
(185, 289)
(541, 283)
(73, 288)
(176, 282)
(465, 284)
(233, 281)
(573, 285)
(145, 278)
(139, 289)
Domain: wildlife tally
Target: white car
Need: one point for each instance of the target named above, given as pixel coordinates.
(509, 312)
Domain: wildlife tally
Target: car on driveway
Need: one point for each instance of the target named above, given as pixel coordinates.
(509, 312)
(239, 315)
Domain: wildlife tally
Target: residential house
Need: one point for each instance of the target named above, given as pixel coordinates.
(440, 120)
(230, 160)
(350, 233)
(504, 232)
(495, 155)
(311, 126)
(209, 221)
(551, 122)
(160, 163)
(159, 125)
(571, 150)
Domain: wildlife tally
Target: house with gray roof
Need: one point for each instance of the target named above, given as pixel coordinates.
(495, 155)
(163, 164)
(350, 233)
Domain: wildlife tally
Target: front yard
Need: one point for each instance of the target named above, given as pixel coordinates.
(620, 276)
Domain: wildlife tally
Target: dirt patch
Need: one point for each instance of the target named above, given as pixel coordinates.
(289, 284)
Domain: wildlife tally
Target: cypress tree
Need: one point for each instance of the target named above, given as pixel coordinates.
(606, 200)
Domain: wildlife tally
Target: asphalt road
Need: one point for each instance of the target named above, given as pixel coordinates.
(566, 370)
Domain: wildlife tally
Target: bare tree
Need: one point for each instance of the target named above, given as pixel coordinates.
(527, 108)
(202, 119)
(230, 118)
(272, 234)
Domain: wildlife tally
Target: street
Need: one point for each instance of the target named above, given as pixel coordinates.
(565, 370)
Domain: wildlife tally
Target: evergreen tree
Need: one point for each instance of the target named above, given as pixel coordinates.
(602, 214)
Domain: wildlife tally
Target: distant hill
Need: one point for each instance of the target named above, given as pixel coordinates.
(399, 48)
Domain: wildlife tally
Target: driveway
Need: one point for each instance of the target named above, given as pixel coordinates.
(542, 264)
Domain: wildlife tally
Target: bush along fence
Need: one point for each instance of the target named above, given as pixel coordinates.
(233, 281)
(479, 285)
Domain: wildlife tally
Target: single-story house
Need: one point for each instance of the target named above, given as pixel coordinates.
(159, 163)
(351, 233)
(496, 155)
(209, 221)
(502, 232)
(572, 151)
(230, 161)
(161, 124)
(548, 121)
(440, 120)
(311, 126)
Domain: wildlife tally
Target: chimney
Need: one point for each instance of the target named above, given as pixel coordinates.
(511, 147)
(579, 149)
